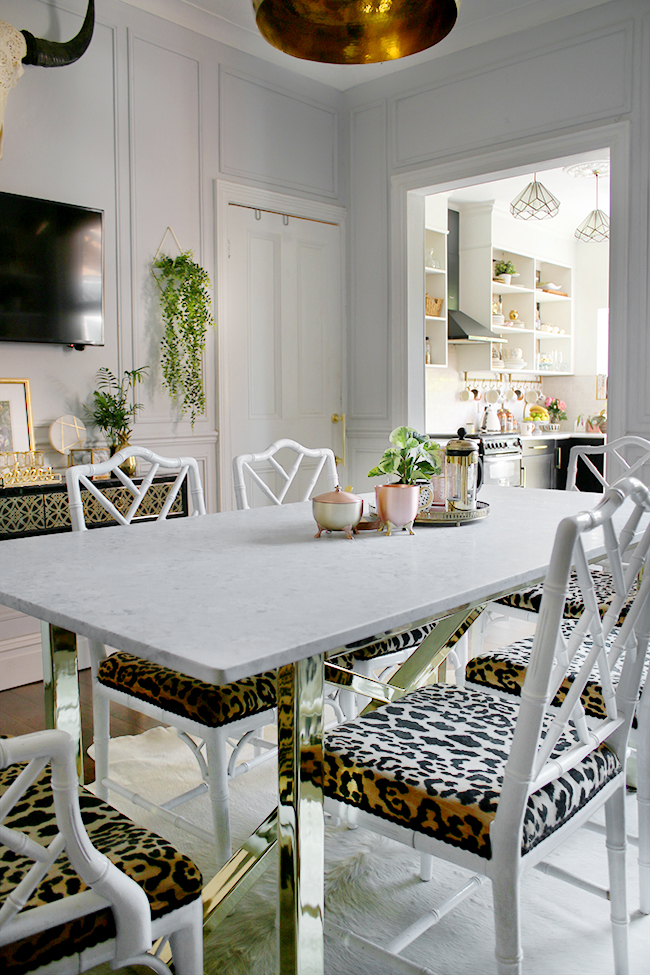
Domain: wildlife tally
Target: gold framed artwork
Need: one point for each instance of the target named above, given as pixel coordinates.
(97, 456)
(16, 426)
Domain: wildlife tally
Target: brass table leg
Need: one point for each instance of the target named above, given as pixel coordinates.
(301, 823)
(61, 684)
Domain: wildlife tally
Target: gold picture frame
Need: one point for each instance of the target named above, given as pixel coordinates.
(16, 425)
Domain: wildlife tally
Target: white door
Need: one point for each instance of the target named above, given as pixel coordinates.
(280, 334)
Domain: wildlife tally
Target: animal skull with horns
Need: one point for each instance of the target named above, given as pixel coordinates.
(20, 47)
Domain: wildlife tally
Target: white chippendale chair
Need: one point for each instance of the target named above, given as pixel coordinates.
(496, 785)
(222, 718)
(524, 604)
(370, 657)
(264, 467)
(80, 884)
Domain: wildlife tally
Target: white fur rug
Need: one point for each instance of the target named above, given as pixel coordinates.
(373, 887)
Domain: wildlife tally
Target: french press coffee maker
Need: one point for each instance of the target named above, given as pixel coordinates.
(462, 473)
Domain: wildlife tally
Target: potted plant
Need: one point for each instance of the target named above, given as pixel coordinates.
(503, 271)
(185, 304)
(113, 412)
(597, 423)
(414, 458)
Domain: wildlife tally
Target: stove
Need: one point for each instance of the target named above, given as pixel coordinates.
(501, 458)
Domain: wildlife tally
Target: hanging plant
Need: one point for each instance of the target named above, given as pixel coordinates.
(185, 304)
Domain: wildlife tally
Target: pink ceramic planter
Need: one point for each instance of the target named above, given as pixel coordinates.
(397, 505)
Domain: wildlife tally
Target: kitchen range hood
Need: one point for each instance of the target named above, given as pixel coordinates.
(462, 329)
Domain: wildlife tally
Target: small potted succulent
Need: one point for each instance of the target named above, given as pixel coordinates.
(503, 271)
(415, 459)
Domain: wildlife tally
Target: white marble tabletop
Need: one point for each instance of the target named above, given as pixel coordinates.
(228, 595)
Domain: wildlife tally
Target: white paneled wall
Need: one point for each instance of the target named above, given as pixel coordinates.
(142, 126)
(573, 86)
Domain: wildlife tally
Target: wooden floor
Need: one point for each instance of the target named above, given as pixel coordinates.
(21, 711)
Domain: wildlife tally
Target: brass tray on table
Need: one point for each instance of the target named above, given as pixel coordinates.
(440, 516)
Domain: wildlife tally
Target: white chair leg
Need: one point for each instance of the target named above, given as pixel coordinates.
(426, 866)
(348, 704)
(219, 796)
(642, 742)
(616, 844)
(101, 739)
(507, 925)
(187, 943)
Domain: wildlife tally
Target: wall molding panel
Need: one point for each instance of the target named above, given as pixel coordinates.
(274, 136)
(425, 124)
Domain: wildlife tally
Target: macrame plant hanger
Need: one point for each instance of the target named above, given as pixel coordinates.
(169, 230)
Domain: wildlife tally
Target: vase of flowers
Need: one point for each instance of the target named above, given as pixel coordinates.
(556, 409)
(414, 459)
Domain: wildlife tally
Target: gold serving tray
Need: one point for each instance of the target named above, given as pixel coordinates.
(440, 516)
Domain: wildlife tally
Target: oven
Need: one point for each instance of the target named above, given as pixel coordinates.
(500, 455)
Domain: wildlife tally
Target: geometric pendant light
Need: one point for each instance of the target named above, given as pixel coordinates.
(536, 202)
(595, 227)
(354, 32)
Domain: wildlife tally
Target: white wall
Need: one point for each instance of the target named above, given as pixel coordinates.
(141, 127)
(577, 85)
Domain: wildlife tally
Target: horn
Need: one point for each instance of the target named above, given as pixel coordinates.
(54, 54)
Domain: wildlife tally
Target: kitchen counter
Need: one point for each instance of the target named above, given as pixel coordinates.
(560, 435)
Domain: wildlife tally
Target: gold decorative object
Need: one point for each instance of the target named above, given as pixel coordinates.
(354, 31)
(23, 476)
(337, 511)
(67, 433)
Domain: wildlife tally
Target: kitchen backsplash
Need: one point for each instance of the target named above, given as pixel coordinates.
(445, 411)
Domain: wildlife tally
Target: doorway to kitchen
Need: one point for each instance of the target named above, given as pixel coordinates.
(514, 168)
(512, 256)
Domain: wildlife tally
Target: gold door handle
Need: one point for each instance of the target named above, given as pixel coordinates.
(341, 418)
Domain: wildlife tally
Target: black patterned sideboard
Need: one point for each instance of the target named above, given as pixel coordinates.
(43, 509)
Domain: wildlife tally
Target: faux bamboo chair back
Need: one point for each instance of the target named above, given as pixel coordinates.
(497, 785)
(223, 719)
(41, 924)
(247, 465)
(82, 474)
(616, 463)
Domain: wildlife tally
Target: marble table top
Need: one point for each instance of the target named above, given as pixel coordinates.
(228, 595)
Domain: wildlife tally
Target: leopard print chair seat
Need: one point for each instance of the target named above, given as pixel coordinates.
(504, 671)
(433, 762)
(170, 880)
(184, 696)
(529, 600)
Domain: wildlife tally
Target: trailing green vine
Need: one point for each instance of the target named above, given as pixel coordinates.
(185, 304)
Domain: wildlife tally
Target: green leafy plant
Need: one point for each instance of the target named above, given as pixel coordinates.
(185, 304)
(111, 410)
(413, 457)
(504, 267)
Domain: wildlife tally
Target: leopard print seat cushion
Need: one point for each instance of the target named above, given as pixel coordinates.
(409, 640)
(169, 879)
(505, 671)
(434, 761)
(531, 599)
(211, 706)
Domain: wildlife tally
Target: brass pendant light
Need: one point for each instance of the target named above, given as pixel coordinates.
(354, 31)
(535, 202)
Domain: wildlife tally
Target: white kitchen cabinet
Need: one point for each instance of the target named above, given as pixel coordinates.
(536, 304)
(435, 281)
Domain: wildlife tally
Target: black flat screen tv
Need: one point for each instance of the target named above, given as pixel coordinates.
(51, 272)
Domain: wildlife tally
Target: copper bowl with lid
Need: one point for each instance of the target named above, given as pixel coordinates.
(337, 511)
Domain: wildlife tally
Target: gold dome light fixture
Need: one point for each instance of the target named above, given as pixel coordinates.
(354, 31)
